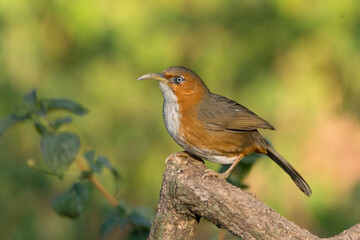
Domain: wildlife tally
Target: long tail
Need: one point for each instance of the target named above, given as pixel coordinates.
(295, 176)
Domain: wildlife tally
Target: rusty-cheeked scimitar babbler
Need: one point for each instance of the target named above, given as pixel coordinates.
(214, 127)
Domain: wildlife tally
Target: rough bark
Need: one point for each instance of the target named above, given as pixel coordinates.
(185, 197)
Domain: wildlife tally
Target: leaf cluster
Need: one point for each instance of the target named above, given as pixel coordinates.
(138, 219)
(60, 149)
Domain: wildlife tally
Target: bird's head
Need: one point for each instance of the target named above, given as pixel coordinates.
(186, 85)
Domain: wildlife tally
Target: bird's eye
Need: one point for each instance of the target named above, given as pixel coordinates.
(178, 79)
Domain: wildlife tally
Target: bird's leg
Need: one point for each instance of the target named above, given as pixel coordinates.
(225, 174)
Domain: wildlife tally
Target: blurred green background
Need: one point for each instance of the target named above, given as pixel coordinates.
(294, 63)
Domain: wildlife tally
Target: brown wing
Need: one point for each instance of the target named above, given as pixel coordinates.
(220, 113)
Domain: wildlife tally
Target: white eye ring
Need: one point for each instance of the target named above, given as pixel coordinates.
(179, 79)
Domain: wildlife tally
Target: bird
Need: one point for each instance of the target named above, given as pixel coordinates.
(213, 127)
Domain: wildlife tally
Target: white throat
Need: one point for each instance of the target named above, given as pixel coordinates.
(171, 111)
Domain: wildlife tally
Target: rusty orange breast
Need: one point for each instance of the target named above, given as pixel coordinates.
(206, 143)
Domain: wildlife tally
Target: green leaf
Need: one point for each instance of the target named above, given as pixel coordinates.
(89, 156)
(40, 128)
(30, 98)
(61, 121)
(73, 202)
(138, 233)
(141, 216)
(95, 165)
(100, 162)
(110, 222)
(85, 175)
(140, 219)
(123, 209)
(105, 162)
(59, 150)
(11, 120)
(63, 104)
(115, 219)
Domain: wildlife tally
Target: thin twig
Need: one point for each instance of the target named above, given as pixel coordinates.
(221, 235)
(96, 183)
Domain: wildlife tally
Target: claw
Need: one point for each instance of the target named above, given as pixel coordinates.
(177, 154)
(182, 154)
(167, 159)
(210, 172)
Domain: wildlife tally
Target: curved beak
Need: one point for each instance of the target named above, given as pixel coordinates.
(154, 76)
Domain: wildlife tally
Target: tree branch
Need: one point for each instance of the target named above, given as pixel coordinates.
(185, 197)
(84, 168)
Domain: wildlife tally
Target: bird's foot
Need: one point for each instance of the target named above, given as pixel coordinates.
(210, 172)
(182, 154)
(177, 154)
